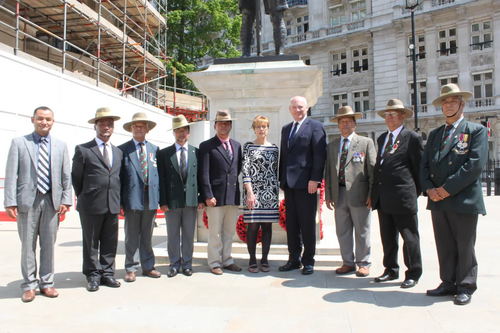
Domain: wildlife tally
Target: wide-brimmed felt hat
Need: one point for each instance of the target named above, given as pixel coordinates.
(179, 121)
(223, 115)
(101, 113)
(346, 111)
(139, 117)
(396, 105)
(450, 90)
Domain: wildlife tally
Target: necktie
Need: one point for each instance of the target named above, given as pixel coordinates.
(446, 136)
(294, 131)
(106, 156)
(226, 146)
(388, 146)
(183, 165)
(343, 158)
(143, 161)
(43, 167)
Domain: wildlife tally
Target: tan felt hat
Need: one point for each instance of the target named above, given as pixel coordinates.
(346, 111)
(101, 113)
(450, 90)
(139, 117)
(396, 105)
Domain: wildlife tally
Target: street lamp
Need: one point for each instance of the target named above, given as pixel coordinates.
(411, 5)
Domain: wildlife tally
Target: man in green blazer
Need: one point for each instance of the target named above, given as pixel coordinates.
(179, 199)
(451, 166)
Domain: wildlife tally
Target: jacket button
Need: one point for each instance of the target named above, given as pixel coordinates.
(380, 183)
(450, 163)
(234, 184)
(227, 183)
(432, 175)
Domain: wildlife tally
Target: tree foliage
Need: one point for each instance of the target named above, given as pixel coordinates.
(199, 28)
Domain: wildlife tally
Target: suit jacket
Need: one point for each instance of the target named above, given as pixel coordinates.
(171, 184)
(21, 174)
(396, 182)
(304, 158)
(358, 171)
(132, 181)
(96, 187)
(457, 170)
(218, 175)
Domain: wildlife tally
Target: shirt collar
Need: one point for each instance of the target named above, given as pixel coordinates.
(100, 142)
(349, 138)
(137, 142)
(396, 132)
(222, 140)
(455, 124)
(178, 146)
(37, 137)
(299, 122)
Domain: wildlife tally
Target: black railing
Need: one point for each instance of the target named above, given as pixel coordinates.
(292, 3)
(491, 175)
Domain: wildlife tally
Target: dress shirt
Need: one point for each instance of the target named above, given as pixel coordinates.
(101, 144)
(37, 138)
(229, 144)
(455, 125)
(349, 139)
(178, 152)
(138, 148)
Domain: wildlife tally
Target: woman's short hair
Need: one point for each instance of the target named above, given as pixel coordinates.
(260, 120)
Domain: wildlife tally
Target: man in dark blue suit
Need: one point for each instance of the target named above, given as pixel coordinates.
(220, 165)
(302, 161)
(139, 197)
(453, 159)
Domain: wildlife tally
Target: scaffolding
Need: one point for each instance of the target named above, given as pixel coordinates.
(120, 43)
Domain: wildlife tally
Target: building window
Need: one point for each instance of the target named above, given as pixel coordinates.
(419, 47)
(446, 80)
(339, 63)
(337, 15)
(483, 88)
(338, 101)
(422, 95)
(289, 27)
(481, 37)
(361, 101)
(358, 10)
(447, 41)
(360, 60)
(302, 24)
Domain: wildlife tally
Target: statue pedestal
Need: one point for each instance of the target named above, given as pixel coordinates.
(248, 89)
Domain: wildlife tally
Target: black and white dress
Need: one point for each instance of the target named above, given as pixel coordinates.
(260, 168)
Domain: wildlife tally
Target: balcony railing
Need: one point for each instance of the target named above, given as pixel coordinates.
(481, 102)
(292, 3)
(334, 30)
(299, 38)
(441, 3)
(356, 25)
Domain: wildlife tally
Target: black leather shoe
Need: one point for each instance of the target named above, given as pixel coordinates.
(387, 276)
(110, 282)
(308, 270)
(440, 291)
(93, 286)
(172, 271)
(290, 266)
(462, 298)
(187, 271)
(409, 283)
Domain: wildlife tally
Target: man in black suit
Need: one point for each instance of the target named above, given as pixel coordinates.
(220, 165)
(96, 180)
(302, 161)
(454, 157)
(395, 190)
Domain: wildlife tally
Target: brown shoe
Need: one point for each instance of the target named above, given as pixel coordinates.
(217, 271)
(233, 268)
(253, 268)
(151, 273)
(363, 271)
(345, 269)
(28, 296)
(130, 277)
(49, 292)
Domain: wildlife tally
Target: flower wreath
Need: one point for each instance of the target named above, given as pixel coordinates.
(241, 228)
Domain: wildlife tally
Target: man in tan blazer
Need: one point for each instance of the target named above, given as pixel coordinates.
(348, 179)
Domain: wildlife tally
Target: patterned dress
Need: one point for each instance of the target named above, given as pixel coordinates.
(260, 168)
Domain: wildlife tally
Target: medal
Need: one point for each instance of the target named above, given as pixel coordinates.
(394, 147)
(462, 144)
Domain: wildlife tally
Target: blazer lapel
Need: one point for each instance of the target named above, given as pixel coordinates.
(191, 158)
(116, 164)
(381, 146)
(97, 152)
(352, 148)
(397, 141)
(453, 139)
(30, 146)
(301, 129)
(134, 159)
(336, 150)
(174, 160)
(223, 151)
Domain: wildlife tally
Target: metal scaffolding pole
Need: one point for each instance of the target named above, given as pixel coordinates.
(16, 43)
(64, 36)
(99, 45)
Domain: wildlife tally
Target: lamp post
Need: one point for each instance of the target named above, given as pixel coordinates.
(411, 5)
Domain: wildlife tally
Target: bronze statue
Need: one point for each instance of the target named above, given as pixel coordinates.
(250, 9)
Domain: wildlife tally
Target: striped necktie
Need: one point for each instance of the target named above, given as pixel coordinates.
(183, 165)
(343, 158)
(105, 155)
(292, 134)
(226, 146)
(446, 136)
(143, 161)
(43, 179)
(388, 146)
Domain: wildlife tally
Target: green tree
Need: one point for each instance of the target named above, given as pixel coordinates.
(199, 28)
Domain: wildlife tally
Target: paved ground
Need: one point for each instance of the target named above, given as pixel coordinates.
(245, 302)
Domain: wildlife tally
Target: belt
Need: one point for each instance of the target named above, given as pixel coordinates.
(146, 188)
(341, 185)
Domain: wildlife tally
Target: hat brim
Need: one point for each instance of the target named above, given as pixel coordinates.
(408, 113)
(465, 95)
(128, 126)
(355, 115)
(225, 119)
(93, 120)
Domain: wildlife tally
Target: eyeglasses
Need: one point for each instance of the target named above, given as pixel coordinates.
(261, 127)
(390, 113)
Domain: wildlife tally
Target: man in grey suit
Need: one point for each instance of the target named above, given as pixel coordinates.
(348, 180)
(37, 192)
(179, 199)
(139, 197)
(96, 180)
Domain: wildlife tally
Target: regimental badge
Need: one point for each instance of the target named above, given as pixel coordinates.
(361, 157)
(394, 147)
(355, 157)
(462, 144)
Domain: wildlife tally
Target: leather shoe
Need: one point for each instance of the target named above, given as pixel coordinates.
(152, 273)
(308, 270)
(389, 276)
(233, 268)
(345, 269)
(290, 266)
(110, 282)
(49, 292)
(409, 283)
(129, 277)
(93, 286)
(363, 271)
(217, 270)
(172, 271)
(440, 291)
(187, 271)
(462, 298)
(28, 296)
